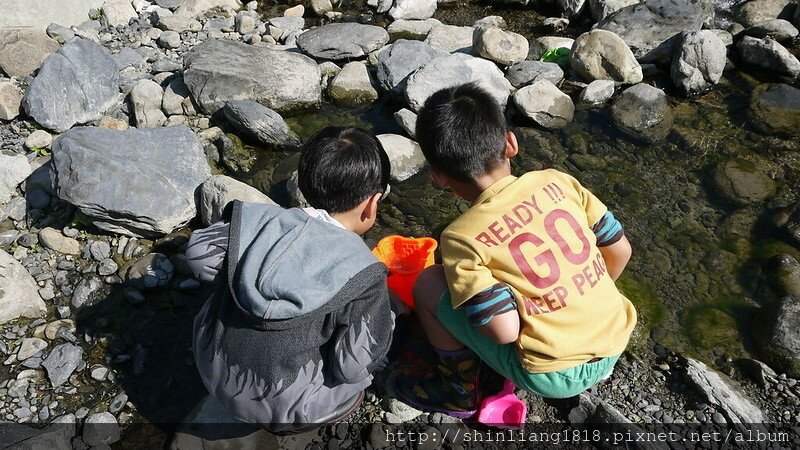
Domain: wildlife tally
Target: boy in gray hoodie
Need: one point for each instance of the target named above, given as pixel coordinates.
(301, 314)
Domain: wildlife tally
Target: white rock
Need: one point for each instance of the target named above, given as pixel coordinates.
(195, 8)
(30, 347)
(320, 7)
(10, 100)
(19, 296)
(451, 38)
(56, 241)
(413, 9)
(545, 104)
(13, 171)
(405, 155)
(502, 47)
(602, 55)
(294, 11)
(38, 139)
(118, 12)
(219, 190)
(597, 93)
(146, 98)
(408, 120)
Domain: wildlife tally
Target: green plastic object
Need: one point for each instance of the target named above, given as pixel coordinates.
(559, 56)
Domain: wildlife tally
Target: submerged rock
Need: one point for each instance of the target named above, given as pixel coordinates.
(545, 104)
(75, 85)
(280, 80)
(602, 55)
(652, 24)
(415, 30)
(404, 154)
(777, 335)
(699, 60)
(736, 407)
(23, 49)
(340, 41)
(529, 72)
(785, 273)
(453, 70)
(643, 112)
(257, 121)
(219, 190)
(18, 291)
(401, 60)
(114, 176)
(775, 108)
(503, 47)
(742, 182)
(769, 55)
(353, 85)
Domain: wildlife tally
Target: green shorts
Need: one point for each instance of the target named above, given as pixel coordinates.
(503, 359)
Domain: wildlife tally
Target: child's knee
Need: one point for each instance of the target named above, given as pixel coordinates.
(429, 287)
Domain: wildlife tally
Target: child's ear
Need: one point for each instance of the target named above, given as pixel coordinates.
(512, 146)
(438, 179)
(370, 210)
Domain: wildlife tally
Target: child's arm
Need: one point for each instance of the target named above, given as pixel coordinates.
(493, 312)
(613, 244)
(206, 251)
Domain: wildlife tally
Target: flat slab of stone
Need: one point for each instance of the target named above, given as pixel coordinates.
(135, 182)
(734, 405)
(339, 41)
(452, 70)
(217, 71)
(75, 85)
(260, 123)
(19, 295)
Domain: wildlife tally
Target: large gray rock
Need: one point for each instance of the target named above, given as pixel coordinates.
(643, 112)
(603, 8)
(139, 182)
(75, 85)
(502, 47)
(10, 100)
(528, 72)
(451, 38)
(545, 104)
(778, 29)
(650, 26)
(413, 9)
(19, 295)
(775, 108)
(23, 49)
(41, 13)
(339, 41)
(602, 55)
(742, 182)
(777, 335)
(405, 156)
(353, 85)
(260, 123)
(219, 190)
(733, 404)
(453, 70)
(14, 169)
(195, 8)
(62, 362)
(401, 60)
(769, 55)
(283, 81)
(146, 98)
(755, 12)
(699, 60)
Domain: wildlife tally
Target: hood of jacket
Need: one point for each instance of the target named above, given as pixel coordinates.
(284, 264)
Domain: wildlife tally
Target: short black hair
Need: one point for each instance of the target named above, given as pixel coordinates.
(342, 166)
(462, 131)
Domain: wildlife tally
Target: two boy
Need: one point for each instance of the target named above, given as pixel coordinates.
(301, 315)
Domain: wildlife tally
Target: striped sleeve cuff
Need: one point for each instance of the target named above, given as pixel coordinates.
(608, 230)
(488, 303)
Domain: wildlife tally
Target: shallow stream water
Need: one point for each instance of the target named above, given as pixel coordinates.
(697, 274)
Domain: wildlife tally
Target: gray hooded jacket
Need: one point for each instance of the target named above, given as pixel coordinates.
(299, 320)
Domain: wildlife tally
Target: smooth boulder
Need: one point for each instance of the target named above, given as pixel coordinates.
(453, 70)
(23, 49)
(602, 55)
(402, 59)
(597, 93)
(353, 85)
(503, 47)
(284, 81)
(341, 41)
(451, 38)
(75, 85)
(545, 104)
(258, 122)
(219, 190)
(146, 98)
(135, 182)
(699, 60)
(778, 29)
(643, 112)
(769, 55)
(541, 45)
(413, 9)
(652, 25)
(19, 295)
(405, 156)
(775, 109)
(756, 12)
(529, 72)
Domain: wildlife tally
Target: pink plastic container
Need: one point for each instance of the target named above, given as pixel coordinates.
(503, 410)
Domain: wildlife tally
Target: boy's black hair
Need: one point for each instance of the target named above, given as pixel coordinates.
(462, 131)
(342, 166)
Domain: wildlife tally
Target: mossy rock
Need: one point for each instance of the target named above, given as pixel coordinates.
(710, 328)
(742, 182)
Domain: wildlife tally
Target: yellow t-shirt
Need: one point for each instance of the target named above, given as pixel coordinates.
(533, 233)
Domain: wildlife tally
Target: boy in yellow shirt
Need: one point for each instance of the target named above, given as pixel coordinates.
(527, 280)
